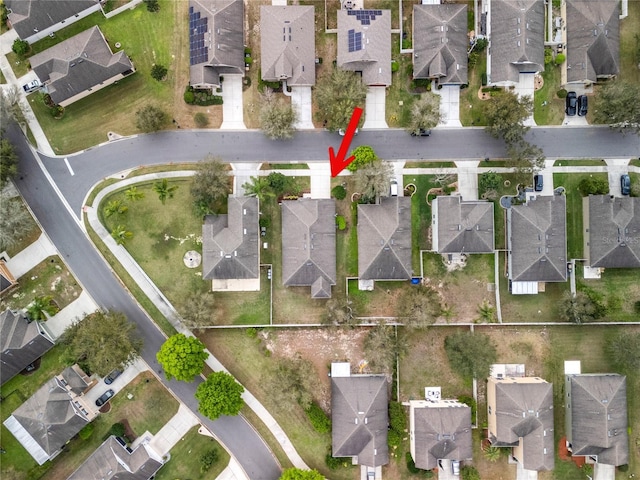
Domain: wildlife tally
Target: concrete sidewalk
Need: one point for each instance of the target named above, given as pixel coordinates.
(176, 428)
(31, 256)
(76, 310)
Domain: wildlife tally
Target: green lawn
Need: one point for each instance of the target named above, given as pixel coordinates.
(399, 98)
(471, 107)
(586, 162)
(548, 108)
(193, 446)
(620, 289)
(245, 308)
(629, 46)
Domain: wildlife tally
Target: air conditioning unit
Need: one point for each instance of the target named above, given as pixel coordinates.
(433, 394)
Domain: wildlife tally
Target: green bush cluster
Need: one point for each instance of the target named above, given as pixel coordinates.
(469, 473)
(207, 460)
(20, 47)
(560, 58)
(158, 72)
(341, 222)
(397, 424)
(467, 400)
(593, 186)
(484, 78)
(562, 93)
(548, 55)
(204, 98)
(339, 192)
(336, 462)
(320, 421)
(152, 5)
(395, 66)
(406, 43)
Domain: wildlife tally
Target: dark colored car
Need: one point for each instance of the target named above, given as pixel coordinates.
(583, 105)
(625, 184)
(571, 104)
(423, 132)
(106, 396)
(112, 376)
(538, 183)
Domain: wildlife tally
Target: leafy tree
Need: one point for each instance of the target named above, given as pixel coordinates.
(120, 234)
(373, 180)
(151, 118)
(299, 474)
(364, 155)
(382, 346)
(182, 357)
(339, 313)
(164, 190)
(277, 116)
(115, 206)
(623, 350)
(489, 181)
(425, 113)
(505, 114)
(103, 341)
(259, 187)
(8, 161)
(20, 47)
(153, 6)
(339, 92)
(593, 186)
(133, 193)
(199, 310)
(279, 182)
(525, 158)
(210, 184)
(208, 459)
(419, 306)
(220, 395)
(578, 309)
(15, 223)
(470, 354)
(340, 193)
(618, 105)
(9, 106)
(293, 381)
(158, 72)
(41, 307)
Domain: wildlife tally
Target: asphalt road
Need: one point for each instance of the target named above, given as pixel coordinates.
(94, 164)
(97, 278)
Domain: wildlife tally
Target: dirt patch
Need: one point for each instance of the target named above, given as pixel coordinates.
(521, 345)
(462, 298)
(128, 431)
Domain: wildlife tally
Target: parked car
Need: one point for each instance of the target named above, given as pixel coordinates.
(571, 104)
(455, 467)
(112, 376)
(538, 183)
(32, 86)
(625, 184)
(106, 396)
(583, 104)
(423, 132)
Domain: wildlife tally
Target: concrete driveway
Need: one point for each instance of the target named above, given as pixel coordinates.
(524, 474)
(375, 110)
(468, 180)
(301, 101)
(604, 472)
(575, 120)
(615, 169)
(526, 88)
(449, 105)
(445, 472)
(547, 178)
(232, 108)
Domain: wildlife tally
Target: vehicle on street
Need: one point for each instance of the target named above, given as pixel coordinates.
(112, 376)
(571, 104)
(538, 183)
(106, 396)
(423, 132)
(32, 86)
(625, 184)
(583, 105)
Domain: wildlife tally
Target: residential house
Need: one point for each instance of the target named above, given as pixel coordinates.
(35, 19)
(593, 40)
(515, 29)
(114, 461)
(384, 240)
(53, 415)
(216, 41)
(359, 416)
(462, 227)
(537, 243)
(611, 231)
(309, 245)
(80, 66)
(439, 429)
(21, 343)
(364, 44)
(440, 43)
(521, 417)
(7, 280)
(288, 45)
(231, 247)
(596, 417)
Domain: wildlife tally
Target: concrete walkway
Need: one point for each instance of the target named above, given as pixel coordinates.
(31, 256)
(468, 180)
(176, 428)
(320, 180)
(232, 106)
(76, 310)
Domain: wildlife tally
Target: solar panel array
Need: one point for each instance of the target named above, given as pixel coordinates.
(355, 40)
(365, 16)
(198, 52)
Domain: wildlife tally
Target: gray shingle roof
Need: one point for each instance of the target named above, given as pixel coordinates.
(373, 59)
(309, 245)
(111, 461)
(384, 240)
(599, 417)
(593, 39)
(287, 44)
(537, 240)
(516, 39)
(21, 343)
(360, 418)
(463, 227)
(441, 432)
(230, 242)
(440, 42)
(77, 64)
(223, 37)
(613, 231)
(525, 411)
(29, 16)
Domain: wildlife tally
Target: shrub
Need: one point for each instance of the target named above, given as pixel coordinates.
(411, 465)
(189, 96)
(320, 421)
(394, 66)
(562, 93)
(560, 58)
(484, 78)
(152, 5)
(467, 400)
(158, 72)
(117, 429)
(624, 468)
(636, 306)
(548, 55)
(333, 463)
(341, 222)
(247, 51)
(339, 192)
(264, 222)
(201, 120)
(252, 332)
(469, 473)
(593, 186)
(207, 460)
(406, 44)
(397, 424)
(20, 47)
(86, 431)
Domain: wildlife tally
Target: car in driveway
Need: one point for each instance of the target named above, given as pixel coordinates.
(105, 397)
(112, 376)
(422, 132)
(538, 183)
(32, 86)
(571, 104)
(625, 184)
(583, 105)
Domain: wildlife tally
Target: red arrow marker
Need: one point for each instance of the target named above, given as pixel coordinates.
(338, 162)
